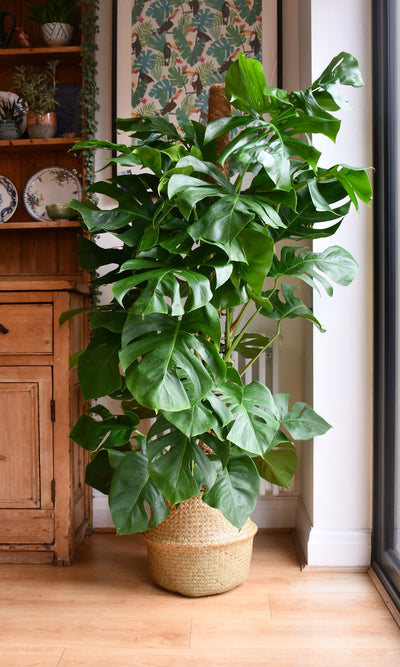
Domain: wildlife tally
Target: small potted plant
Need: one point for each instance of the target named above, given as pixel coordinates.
(36, 87)
(204, 257)
(55, 18)
(11, 116)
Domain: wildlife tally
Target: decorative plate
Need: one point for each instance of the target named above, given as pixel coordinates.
(12, 97)
(8, 199)
(51, 185)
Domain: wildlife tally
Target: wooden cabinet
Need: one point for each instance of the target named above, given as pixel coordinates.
(44, 504)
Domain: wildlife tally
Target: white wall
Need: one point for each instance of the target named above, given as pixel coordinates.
(337, 514)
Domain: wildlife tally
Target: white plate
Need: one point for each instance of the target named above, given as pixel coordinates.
(8, 199)
(51, 185)
(13, 97)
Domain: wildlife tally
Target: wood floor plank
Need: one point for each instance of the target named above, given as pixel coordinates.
(106, 611)
(228, 657)
(41, 656)
(382, 633)
(101, 629)
(368, 605)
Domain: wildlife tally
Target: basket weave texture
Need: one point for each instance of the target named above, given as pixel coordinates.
(197, 552)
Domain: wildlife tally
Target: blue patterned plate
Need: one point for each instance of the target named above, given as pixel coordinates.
(8, 199)
(51, 185)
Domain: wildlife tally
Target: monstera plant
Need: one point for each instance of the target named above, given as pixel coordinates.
(207, 247)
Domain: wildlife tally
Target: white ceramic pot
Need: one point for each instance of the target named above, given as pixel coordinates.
(57, 34)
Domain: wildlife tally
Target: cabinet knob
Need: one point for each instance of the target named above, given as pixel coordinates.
(3, 329)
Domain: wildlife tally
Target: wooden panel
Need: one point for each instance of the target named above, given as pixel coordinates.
(30, 329)
(24, 556)
(31, 252)
(21, 526)
(19, 448)
(26, 455)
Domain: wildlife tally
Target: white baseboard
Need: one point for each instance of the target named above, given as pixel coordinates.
(332, 548)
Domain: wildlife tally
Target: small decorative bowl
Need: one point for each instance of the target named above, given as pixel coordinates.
(61, 212)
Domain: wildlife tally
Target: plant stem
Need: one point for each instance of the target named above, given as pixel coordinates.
(239, 337)
(258, 355)
(239, 318)
(228, 324)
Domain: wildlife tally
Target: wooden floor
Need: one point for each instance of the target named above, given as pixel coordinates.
(105, 611)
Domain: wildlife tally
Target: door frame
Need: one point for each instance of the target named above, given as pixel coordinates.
(386, 42)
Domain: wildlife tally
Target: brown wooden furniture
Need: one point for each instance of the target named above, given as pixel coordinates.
(44, 505)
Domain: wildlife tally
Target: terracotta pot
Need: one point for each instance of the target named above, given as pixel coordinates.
(57, 34)
(41, 126)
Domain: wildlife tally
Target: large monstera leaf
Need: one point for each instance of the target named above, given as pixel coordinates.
(334, 262)
(132, 492)
(167, 365)
(256, 417)
(278, 465)
(163, 292)
(177, 464)
(236, 489)
(98, 367)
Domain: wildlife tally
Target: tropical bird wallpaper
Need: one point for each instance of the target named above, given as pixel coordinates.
(179, 49)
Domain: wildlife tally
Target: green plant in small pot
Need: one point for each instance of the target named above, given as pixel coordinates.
(56, 18)
(11, 116)
(36, 87)
(202, 261)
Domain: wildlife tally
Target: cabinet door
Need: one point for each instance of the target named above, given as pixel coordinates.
(26, 454)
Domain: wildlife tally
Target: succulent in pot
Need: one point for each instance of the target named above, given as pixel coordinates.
(11, 116)
(56, 20)
(36, 87)
(201, 261)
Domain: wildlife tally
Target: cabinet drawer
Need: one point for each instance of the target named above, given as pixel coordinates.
(26, 328)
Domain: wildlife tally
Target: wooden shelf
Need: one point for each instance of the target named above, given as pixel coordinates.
(42, 284)
(35, 224)
(40, 51)
(44, 144)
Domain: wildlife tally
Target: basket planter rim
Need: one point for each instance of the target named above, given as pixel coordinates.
(248, 531)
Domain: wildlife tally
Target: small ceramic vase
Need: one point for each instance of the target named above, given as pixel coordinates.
(57, 34)
(9, 129)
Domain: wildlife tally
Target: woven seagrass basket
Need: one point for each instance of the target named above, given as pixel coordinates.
(197, 552)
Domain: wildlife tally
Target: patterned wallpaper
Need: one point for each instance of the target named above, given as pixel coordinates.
(180, 48)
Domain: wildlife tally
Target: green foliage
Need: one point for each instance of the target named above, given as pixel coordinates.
(196, 260)
(36, 86)
(49, 11)
(10, 110)
(89, 92)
